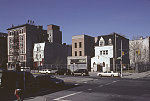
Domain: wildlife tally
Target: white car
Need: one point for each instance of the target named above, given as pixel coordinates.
(108, 73)
(45, 71)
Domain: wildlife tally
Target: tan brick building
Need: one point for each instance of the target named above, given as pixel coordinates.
(82, 51)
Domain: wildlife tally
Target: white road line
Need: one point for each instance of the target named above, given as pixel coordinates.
(89, 89)
(108, 83)
(101, 86)
(112, 82)
(57, 99)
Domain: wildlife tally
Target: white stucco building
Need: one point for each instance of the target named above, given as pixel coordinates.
(38, 53)
(101, 61)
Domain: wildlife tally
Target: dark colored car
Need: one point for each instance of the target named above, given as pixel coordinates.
(81, 72)
(63, 72)
(21, 80)
(49, 81)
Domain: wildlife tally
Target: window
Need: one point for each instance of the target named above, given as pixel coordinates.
(75, 53)
(10, 33)
(36, 56)
(21, 58)
(103, 52)
(100, 52)
(22, 30)
(80, 53)
(106, 52)
(101, 42)
(109, 41)
(94, 64)
(80, 44)
(75, 45)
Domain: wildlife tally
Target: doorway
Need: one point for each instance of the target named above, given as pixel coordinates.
(99, 68)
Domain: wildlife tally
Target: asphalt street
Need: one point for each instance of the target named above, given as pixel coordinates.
(89, 88)
(105, 90)
(100, 89)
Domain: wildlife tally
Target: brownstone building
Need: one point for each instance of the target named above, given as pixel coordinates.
(21, 40)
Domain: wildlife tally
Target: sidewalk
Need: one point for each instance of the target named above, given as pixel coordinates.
(136, 75)
(128, 75)
(39, 98)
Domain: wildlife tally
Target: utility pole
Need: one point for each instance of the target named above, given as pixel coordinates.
(114, 59)
(121, 59)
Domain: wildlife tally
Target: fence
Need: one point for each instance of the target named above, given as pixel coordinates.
(53, 66)
(139, 67)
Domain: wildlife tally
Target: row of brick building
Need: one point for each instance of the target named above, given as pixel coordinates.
(29, 45)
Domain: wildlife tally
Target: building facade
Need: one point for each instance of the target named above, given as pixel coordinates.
(51, 55)
(21, 40)
(54, 34)
(82, 51)
(103, 58)
(140, 53)
(108, 53)
(3, 50)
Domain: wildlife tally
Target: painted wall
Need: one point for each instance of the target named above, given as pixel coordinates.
(99, 59)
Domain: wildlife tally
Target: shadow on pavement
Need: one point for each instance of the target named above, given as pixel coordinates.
(8, 95)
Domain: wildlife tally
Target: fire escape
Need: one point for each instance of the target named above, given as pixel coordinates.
(16, 50)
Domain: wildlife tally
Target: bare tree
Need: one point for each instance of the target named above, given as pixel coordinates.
(139, 51)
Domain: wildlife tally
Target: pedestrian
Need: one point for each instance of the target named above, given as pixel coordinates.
(18, 93)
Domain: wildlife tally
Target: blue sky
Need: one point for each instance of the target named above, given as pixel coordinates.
(75, 17)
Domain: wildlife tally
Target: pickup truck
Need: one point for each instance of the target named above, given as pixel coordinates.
(108, 73)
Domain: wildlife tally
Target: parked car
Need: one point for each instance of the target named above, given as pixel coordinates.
(45, 71)
(63, 72)
(108, 73)
(49, 81)
(81, 72)
(18, 79)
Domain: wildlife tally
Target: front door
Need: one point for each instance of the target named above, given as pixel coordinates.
(99, 68)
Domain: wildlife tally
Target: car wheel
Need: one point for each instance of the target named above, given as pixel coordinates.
(100, 75)
(112, 75)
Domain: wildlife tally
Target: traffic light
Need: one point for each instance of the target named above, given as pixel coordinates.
(122, 52)
(138, 52)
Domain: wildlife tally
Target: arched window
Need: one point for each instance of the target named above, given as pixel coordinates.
(109, 41)
(101, 42)
(94, 64)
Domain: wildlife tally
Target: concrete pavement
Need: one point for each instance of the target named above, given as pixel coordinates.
(129, 75)
(136, 75)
